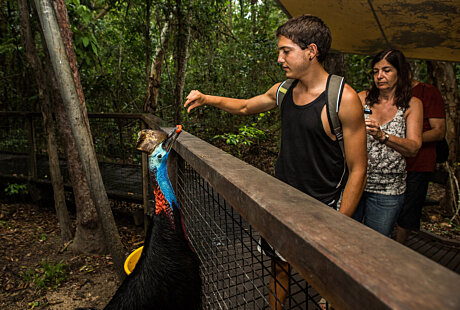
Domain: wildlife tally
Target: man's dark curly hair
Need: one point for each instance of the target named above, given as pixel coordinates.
(403, 91)
(305, 30)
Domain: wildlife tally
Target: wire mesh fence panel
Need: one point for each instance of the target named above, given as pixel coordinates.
(14, 134)
(23, 148)
(119, 161)
(235, 273)
(115, 139)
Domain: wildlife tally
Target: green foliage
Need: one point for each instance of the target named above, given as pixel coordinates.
(17, 138)
(16, 189)
(358, 71)
(237, 60)
(231, 54)
(47, 275)
(246, 136)
(85, 42)
(420, 70)
(7, 46)
(17, 90)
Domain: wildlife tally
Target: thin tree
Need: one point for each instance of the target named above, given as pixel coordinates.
(182, 48)
(89, 237)
(89, 234)
(443, 77)
(80, 130)
(154, 72)
(50, 129)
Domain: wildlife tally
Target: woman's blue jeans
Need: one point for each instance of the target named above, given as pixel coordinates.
(379, 212)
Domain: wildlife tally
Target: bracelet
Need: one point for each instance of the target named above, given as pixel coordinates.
(385, 140)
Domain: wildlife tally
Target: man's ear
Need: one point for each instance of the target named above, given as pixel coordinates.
(313, 51)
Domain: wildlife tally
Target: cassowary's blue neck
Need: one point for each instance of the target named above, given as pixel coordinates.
(162, 178)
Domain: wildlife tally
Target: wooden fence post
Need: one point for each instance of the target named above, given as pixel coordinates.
(32, 148)
(145, 186)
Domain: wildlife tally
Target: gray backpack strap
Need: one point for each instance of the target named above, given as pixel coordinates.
(334, 95)
(282, 90)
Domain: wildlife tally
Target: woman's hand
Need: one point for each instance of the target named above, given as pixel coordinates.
(373, 129)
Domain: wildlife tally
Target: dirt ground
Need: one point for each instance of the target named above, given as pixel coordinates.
(434, 219)
(30, 237)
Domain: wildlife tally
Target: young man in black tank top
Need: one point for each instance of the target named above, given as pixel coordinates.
(303, 43)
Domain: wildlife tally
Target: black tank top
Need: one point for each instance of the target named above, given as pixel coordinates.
(309, 159)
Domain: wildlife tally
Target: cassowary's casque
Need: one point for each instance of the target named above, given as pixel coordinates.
(167, 273)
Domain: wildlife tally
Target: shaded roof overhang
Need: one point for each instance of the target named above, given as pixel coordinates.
(422, 29)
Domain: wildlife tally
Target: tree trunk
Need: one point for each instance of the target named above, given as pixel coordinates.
(335, 64)
(148, 41)
(253, 17)
(230, 17)
(80, 130)
(89, 236)
(154, 79)
(66, 35)
(242, 13)
(415, 70)
(182, 46)
(443, 75)
(55, 172)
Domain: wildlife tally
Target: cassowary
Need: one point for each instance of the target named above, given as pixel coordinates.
(167, 273)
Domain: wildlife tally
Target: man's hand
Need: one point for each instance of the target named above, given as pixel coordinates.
(195, 99)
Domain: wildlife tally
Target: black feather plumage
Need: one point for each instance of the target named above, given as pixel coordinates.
(167, 274)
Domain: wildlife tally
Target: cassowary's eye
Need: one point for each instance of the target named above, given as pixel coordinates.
(159, 156)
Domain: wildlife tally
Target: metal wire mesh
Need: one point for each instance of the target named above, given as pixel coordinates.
(13, 134)
(120, 164)
(14, 145)
(23, 140)
(235, 273)
(115, 139)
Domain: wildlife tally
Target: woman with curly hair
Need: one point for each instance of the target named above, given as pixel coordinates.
(394, 131)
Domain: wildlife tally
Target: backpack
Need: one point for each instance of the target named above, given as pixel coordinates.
(334, 86)
(442, 151)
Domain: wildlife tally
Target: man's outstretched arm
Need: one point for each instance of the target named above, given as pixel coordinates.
(257, 104)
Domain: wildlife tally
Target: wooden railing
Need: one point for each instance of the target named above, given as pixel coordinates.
(349, 264)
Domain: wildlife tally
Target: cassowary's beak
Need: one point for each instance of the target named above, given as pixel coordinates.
(172, 136)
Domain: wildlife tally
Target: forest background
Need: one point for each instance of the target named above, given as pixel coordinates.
(225, 48)
(145, 56)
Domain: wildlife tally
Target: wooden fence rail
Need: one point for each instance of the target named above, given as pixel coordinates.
(349, 264)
